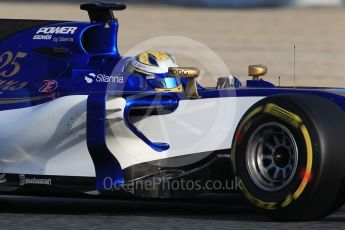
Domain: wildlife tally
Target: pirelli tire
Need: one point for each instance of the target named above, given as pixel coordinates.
(303, 135)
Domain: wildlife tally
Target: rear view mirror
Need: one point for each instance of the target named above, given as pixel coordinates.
(184, 72)
(189, 73)
(256, 71)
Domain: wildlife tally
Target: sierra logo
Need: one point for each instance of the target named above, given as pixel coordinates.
(89, 78)
(103, 78)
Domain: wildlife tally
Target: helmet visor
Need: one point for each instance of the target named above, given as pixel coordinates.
(165, 83)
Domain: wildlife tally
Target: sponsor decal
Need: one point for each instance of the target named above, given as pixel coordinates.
(3, 178)
(46, 33)
(42, 37)
(103, 78)
(57, 30)
(89, 78)
(10, 63)
(23, 180)
(6, 85)
(63, 39)
(49, 86)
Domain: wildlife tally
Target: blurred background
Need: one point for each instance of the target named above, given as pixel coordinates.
(240, 32)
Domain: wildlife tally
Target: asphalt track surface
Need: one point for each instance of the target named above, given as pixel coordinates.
(63, 213)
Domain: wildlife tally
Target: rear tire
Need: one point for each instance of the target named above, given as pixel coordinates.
(288, 154)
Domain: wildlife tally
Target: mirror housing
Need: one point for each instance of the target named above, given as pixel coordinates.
(184, 72)
(256, 71)
(189, 73)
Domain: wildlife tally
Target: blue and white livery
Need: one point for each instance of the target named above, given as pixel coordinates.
(75, 121)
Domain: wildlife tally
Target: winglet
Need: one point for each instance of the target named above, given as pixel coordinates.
(102, 11)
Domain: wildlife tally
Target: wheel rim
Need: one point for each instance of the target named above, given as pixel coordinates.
(272, 156)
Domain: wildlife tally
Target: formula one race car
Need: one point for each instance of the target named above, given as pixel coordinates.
(78, 118)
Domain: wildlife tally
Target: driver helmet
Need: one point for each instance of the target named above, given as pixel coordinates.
(154, 66)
